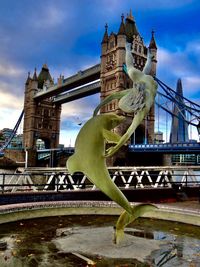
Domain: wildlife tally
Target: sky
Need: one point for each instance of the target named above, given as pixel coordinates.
(67, 35)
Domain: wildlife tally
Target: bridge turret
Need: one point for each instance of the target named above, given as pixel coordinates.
(121, 42)
(43, 76)
(130, 27)
(153, 50)
(35, 78)
(104, 47)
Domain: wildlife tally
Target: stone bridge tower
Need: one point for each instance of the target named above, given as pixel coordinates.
(41, 118)
(114, 79)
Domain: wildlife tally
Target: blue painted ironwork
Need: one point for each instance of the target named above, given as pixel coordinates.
(167, 148)
(13, 133)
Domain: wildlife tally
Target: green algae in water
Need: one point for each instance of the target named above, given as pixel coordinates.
(30, 242)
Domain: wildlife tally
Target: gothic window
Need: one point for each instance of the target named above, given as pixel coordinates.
(140, 49)
(111, 57)
(45, 112)
(135, 47)
(112, 44)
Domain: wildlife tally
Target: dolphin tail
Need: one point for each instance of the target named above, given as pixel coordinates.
(126, 218)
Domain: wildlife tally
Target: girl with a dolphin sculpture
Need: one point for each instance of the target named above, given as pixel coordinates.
(90, 146)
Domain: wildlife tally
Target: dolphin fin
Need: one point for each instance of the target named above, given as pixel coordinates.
(110, 136)
(126, 218)
(72, 164)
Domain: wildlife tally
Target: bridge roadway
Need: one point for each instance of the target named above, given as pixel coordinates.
(81, 78)
(77, 93)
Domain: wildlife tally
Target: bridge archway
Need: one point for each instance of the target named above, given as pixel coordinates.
(139, 136)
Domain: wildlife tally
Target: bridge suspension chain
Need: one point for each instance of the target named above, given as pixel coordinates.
(13, 133)
(191, 108)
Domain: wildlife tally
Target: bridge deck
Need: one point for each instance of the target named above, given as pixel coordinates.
(81, 78)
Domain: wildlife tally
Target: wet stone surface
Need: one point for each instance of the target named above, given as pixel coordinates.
(48, 242)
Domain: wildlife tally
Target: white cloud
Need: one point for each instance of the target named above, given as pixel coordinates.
(160, 4)
(192, 83)
(175, 62)
(180, 64)
(10, 102)
(10, 70)
(81, 109)
(50, 16)
(9, 117)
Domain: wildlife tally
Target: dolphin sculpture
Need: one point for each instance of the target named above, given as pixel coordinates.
(89, 158)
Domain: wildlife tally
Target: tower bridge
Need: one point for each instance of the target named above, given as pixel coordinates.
(43, 98)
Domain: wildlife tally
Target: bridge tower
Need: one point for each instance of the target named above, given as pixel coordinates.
(114, 79)
(41, 118)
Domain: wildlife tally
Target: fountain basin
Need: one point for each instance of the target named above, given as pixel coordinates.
(79, 240)
(184, 212)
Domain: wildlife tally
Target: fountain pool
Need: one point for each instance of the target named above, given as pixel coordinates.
(81, 240)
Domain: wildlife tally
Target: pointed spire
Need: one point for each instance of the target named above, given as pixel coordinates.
(35, 78)
(44, 75)
(28, 78)
(105, 37)
(179, 88)
(152, 44)
(130, 27)
(45, 66)
(122, 30)
(130, 16)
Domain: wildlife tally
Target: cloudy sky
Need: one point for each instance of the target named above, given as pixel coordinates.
(66, 34)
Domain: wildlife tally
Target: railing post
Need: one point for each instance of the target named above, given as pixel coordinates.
(3, 183)
(186, 182)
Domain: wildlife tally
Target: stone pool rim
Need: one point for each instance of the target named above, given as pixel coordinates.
(175, 212)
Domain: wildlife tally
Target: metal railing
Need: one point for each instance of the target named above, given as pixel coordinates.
(58, 179)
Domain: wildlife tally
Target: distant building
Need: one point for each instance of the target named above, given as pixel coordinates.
(6, 133)
(179, 128)
(158, 137)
